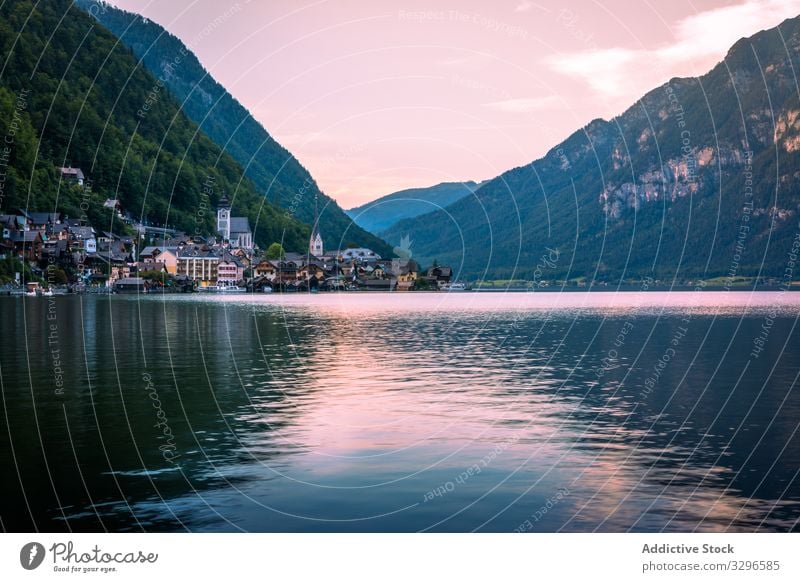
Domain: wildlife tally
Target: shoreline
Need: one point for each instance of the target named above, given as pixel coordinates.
(717, 292)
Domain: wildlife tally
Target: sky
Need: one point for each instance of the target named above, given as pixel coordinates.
(375, 96)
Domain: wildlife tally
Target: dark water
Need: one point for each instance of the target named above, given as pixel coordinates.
(348, 412)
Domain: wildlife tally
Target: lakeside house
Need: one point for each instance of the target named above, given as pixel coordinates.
(200, 264)
(439, 276)
(230, 270)
(129, 285)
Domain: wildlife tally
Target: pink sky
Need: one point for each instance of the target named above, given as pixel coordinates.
(376, 96)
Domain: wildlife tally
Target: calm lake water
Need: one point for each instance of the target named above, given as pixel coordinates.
(401, 412)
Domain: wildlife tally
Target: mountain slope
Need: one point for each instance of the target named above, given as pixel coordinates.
(71, 94)
(698, 178)
(274, 171)
(382, 213)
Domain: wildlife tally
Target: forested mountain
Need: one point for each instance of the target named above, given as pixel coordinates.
(380, 214)
(71, 94)
(701, 177)
(275, 172)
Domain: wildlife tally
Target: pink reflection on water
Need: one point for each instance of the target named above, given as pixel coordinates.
(372, 412)
(723, 302)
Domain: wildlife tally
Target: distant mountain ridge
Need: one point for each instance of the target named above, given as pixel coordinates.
(699, 178)
(273, 169)
(382, 213)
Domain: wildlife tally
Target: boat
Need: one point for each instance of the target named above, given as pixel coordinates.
(222, 289)
(266, 289)
(455, 287)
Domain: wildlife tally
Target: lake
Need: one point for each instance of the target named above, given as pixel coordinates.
(399, 412)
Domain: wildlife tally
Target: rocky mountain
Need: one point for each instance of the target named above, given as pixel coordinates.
(70, 94)
(380, 214)
(274, 171)
(699, 178)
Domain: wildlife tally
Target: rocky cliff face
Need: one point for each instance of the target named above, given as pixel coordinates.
(676, 178)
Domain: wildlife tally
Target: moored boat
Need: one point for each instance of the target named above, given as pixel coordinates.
(455, 287)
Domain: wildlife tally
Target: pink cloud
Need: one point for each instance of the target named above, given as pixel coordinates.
(700, 40)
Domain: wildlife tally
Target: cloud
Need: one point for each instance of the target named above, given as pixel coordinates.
(523, 105)
(701, 40)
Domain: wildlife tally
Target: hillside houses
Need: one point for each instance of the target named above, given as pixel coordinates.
(27, 244)
(73, 175)
(88, 257)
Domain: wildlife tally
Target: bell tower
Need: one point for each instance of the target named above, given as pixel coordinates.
(224, 218)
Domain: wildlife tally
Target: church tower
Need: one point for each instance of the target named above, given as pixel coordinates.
(315, 248)
(224, 218)
(315, 244)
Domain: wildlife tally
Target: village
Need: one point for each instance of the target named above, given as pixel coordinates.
(46, 252)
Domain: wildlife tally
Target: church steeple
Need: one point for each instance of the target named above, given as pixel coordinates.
(315, 247)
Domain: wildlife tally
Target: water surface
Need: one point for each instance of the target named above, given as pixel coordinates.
(401, 412)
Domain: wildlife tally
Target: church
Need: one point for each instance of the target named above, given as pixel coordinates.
(315, 248)
(233, 229)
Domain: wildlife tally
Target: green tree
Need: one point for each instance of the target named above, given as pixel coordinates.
(153, 275)
(57, 276)
(275, 251)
